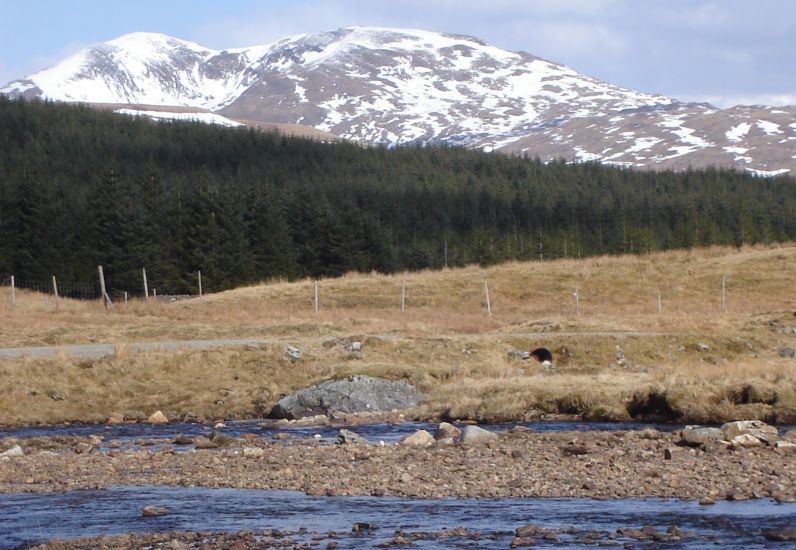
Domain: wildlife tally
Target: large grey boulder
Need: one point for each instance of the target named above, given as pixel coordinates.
(752, 428)
(698, 435)
(473, 435)
(358, 393)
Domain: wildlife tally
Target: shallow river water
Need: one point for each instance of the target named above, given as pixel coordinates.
(30, 518)
(389, 433)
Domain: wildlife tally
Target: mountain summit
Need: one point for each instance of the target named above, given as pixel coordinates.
(395, 86)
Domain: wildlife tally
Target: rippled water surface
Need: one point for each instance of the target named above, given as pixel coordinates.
(375, 432)
(31, 518)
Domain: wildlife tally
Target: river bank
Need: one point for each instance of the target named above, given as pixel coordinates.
(518, 463)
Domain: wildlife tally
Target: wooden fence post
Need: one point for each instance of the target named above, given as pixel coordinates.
(403, 296)
(577, 301)
(660, 306)
(723, 288)
(125, 297)
(146, 288)
(55, 292)
(488, 305)
(13, 293)
(199, 274)
(105, 297)
(316, 297)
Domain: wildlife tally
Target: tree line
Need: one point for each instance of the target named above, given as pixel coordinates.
(81, 187)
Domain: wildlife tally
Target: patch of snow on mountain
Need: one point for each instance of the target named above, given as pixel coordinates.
(581, 155)
(768, 173)
(207, 118)
(301, 92)
(769, 127)
(643, 144)
(736, 133)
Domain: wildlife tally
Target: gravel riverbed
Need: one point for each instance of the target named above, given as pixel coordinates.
(520, 463)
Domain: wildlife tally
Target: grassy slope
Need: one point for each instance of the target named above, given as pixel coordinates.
(617, 353)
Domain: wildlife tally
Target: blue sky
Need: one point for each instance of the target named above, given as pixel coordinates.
(723, 51)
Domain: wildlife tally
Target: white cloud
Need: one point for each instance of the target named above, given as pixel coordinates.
(731, 100)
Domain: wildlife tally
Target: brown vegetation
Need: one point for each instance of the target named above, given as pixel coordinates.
(619, 358)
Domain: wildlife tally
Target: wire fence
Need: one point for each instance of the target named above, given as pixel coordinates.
(641, 297)
(79, 290)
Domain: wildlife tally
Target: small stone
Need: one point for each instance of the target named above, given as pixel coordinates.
(746, 440)
(253, 452)
(158, 418)
(83, 448)
(183, 440)
(222, 440)
(154, 511)
(115, 418)
(420, 438)
(670, 452)
(787, 353)
(14, 451)
(781, 535)
(355, 346)
(707, 501)
(346, 437)
(293, 353)
(447, 431)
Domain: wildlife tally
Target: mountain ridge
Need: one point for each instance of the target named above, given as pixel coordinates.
(407, 86)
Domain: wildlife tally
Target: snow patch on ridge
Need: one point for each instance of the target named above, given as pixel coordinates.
(207, 118)
(769, 127)
(736, 133)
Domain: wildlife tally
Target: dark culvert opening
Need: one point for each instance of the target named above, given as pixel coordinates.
(542, 355)
(652, 407)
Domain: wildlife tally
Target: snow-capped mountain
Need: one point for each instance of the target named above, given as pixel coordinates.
(392, 86)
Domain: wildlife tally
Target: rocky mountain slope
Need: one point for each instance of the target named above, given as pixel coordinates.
(394, 86)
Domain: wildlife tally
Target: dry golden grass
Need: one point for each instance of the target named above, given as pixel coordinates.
(614, 356)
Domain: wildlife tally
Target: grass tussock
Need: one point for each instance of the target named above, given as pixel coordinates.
(619, 359)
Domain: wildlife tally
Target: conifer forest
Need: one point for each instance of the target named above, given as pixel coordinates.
(80, 187)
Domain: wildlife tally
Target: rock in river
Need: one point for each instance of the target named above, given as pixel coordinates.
(473, 435)
(356, 393)
(345, 437)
